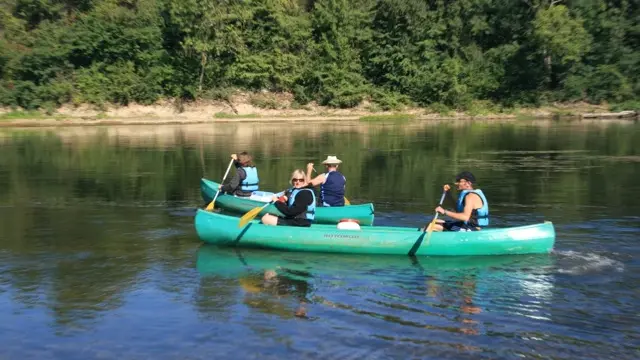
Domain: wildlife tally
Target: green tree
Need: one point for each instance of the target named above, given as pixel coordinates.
(560, 36)
(211, 28)
(438, 53)
(340, 28)
(276, 39)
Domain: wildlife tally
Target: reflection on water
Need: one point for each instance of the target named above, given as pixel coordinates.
(99, 258)
(442, 294)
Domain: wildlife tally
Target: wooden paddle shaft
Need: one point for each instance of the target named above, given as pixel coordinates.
(444, 193)
(223, 179)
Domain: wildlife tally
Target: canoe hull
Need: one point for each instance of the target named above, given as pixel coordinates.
(324, 215)
(223, 230)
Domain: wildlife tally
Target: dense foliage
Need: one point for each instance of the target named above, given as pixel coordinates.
(447, 53)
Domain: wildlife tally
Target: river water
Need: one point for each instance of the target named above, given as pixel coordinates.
(99, 257)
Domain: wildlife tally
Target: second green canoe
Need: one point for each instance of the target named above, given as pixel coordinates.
(324, 215)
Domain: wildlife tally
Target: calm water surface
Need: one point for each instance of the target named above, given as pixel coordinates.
(99, 258)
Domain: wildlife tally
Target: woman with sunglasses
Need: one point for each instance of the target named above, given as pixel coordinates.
(298, 204)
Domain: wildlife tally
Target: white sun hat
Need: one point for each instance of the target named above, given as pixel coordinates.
(332, 160)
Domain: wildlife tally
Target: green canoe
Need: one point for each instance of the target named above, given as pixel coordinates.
(221, 229)
(324, 215)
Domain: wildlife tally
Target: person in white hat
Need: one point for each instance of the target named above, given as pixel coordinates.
(332, 183)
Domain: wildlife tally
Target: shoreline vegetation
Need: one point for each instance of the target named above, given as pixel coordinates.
(242, 109)
(169, 61)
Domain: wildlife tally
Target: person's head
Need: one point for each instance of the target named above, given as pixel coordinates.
(245, 159)
(332, 162)
(297, 179)
(465, 180)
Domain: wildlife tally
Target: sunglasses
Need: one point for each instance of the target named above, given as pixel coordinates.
(297, 180)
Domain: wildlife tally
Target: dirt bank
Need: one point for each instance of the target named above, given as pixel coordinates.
(246, 109)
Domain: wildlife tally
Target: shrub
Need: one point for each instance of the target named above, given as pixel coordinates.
(264, 101)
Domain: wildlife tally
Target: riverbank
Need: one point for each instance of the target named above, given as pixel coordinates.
(246, 109)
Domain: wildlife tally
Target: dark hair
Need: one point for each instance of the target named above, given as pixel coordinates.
(245, 159)
(467, 176)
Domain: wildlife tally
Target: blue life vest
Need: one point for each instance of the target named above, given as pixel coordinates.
(482, 214)
(310, 214)
(332, 191)
(250, 182)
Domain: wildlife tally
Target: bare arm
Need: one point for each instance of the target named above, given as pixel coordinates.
(316, 180)
(471, 200)
(307, 177)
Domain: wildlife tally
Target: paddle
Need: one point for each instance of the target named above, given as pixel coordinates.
(429, 227)
(346, 201)
(210, 206)
(251, 214)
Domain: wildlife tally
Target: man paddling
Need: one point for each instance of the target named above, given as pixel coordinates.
(472, 208)
(332, 183)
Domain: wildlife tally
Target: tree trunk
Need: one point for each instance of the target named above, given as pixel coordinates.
(547, 66)
(203, 62)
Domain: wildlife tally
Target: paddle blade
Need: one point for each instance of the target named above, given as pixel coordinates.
(250, 215)
(347, 202)
(431, 224)
(429, 231)
(210, 206)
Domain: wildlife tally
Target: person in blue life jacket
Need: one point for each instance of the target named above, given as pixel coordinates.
(298, 204)
(332, 182)
(472, 208)
(246, 180)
